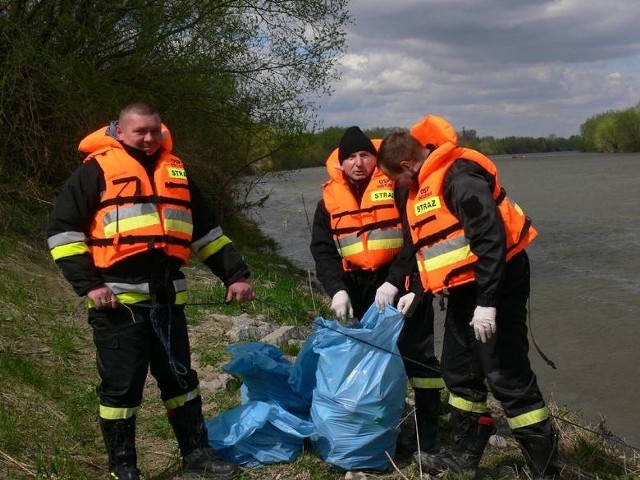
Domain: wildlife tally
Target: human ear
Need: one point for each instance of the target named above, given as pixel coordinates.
(407, 164)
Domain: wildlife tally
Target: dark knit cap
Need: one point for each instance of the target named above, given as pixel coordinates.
(354, 140)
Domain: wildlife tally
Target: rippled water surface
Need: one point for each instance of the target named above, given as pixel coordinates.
(585, 301)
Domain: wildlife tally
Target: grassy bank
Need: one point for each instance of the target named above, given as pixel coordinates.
(48, 406)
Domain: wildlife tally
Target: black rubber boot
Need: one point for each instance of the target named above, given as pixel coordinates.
(120, 439)
(198, 458)
(539, 445)
(470, 434)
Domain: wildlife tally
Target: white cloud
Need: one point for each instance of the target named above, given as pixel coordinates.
(501, 67)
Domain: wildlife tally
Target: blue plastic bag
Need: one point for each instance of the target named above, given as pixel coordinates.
(265, 372)
(258, 433)
(360, 391)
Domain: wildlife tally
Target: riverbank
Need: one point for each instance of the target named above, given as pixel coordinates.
(585, 273)
(48, 406)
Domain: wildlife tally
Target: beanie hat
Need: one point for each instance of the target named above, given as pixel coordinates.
(354, 140)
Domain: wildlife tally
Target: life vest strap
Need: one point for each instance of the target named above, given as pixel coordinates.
(155, 199)
(442, 234)
(131, 239)
(362, 210)
(379, 225)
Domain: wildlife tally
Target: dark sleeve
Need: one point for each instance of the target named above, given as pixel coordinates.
(404, 265)
(215, 249)
(323, 249)
(468, 195)
(72, 215)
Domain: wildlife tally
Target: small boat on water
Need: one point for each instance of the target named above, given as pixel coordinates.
(517, 155)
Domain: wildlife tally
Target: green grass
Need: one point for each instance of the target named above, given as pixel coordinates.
(48, 405)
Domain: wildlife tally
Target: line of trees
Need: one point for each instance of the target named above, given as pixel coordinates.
(610, 132)
(318, 146)
(613, 131)
(231, 77)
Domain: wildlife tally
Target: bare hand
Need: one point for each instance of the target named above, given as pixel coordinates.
(103, 297)
(241, 290)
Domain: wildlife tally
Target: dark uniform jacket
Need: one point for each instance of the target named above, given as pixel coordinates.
(75, 209)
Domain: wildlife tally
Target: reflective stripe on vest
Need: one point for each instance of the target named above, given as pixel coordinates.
(444, 254)
(137, 213)
(449, 252)
(367, 235)
(390, 238)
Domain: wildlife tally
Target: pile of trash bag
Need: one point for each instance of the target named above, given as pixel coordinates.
(345, 392)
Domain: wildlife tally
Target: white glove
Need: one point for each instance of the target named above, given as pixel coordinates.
(386, 293)
(484, 323)
(406, 304)
(341, 305)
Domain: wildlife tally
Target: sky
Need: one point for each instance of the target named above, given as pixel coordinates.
(500, 67)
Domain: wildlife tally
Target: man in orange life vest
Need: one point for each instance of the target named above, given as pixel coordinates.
(469, 240)
(357, 243)
(123, 225)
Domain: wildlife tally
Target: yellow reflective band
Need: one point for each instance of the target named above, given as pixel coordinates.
(128, 298)
(351, 249)
(385, 243)
(448, 258)
(177, 402)
(114, 413)
(69, 250)
(181, 298)
(518, 209)
(426, 205)
(213, 247)
(466, 405)
(178, 226)
(420, 382)
(381, 195)
(529, 418)
(133, 223)
(133, 297)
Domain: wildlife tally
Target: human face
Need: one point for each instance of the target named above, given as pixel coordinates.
(359, 165)
(143, 132)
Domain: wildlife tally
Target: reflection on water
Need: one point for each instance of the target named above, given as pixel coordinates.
(585, 301)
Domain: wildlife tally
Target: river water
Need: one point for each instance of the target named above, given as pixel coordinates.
(585, 271)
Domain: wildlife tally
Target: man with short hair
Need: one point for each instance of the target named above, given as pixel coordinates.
(121, 229)
(470, 241)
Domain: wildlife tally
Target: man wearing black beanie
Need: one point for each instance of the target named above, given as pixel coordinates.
(357, 244)
(353, 141)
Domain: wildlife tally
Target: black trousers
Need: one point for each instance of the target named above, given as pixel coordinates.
(416, 342)
(503, 361)
(128, 345)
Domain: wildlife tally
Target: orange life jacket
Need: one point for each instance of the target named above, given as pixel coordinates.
(443, 253)
(137, 213)
(368, 234)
